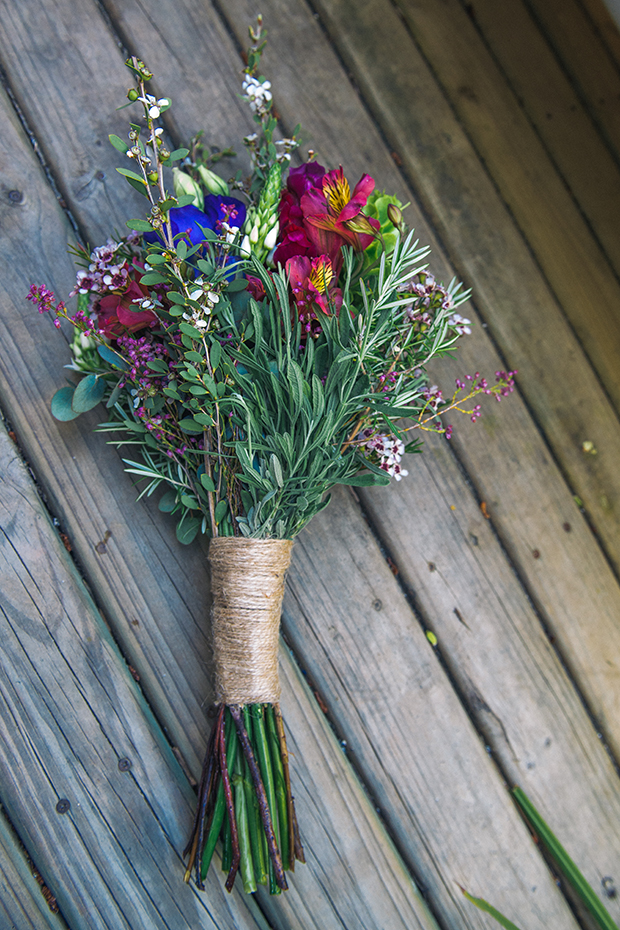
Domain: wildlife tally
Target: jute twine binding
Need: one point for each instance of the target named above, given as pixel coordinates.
(247, 585)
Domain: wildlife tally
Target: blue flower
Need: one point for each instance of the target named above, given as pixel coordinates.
(190, 219)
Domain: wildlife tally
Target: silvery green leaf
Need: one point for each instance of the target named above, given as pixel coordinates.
(61, 404)
(88, 393)
(276, 470)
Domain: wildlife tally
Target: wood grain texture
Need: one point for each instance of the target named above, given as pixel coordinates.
(557, 381)
(72, 711)
(518, 163)
(407, 732)
(22, 905)
(605, 25)
(486, 839)
(505, 456)
(592, 67)
(501, 73)
(155, 593)
(500, 657)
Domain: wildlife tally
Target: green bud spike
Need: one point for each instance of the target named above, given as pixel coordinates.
(261, 225)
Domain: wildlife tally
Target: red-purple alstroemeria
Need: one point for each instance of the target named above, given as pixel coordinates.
(318, 215)
(313, 284)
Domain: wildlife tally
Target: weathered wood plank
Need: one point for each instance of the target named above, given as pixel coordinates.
(167, 645)
(470, 217)
(72, 712)
(506, 458)
(532, 85)
(501, 659)
(587, 61)
(528, 181)
(32, 359)
(22, 905)
(426, 768)
(506, 813)
(605, 25)
(128, 15)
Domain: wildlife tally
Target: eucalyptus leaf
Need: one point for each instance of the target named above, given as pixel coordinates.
(109, 355)
(168, 501)
(61, 404)
(89, 392)
(187, 530)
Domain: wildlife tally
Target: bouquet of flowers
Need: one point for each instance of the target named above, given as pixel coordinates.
(256, 341)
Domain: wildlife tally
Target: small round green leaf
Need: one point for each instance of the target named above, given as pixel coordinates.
(207, 483)
(61, 404)
(187, 530)
(88, 393)
(168, 501)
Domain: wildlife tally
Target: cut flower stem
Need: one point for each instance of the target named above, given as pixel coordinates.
(244, 799)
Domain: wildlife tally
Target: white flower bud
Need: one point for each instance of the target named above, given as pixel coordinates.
(185, 185)
(212, 181)
(272, 236)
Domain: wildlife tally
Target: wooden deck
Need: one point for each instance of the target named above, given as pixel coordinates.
(500, 123)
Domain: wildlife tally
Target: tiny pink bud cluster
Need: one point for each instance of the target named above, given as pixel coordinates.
(44, 299)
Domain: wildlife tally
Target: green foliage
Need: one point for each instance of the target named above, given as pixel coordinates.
(489, 909)
(550, 842)
(566, 865)
(243, 417)
(61, 404)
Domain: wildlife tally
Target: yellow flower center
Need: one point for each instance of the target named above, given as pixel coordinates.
(337, 192)
(321, 274)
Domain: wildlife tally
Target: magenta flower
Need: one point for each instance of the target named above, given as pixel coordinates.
(313, 285)
(318, 215)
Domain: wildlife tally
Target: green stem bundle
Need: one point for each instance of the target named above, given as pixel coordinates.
(245, 799)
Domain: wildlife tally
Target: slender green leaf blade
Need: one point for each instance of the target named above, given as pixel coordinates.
(572, 874)
(489, 909)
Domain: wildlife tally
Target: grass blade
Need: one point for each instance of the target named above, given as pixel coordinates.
(564, 862)
(489, 909)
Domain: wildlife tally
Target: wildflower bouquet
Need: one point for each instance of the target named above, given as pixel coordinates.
(256, 342)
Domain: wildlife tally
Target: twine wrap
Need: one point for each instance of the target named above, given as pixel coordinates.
(247, 585)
